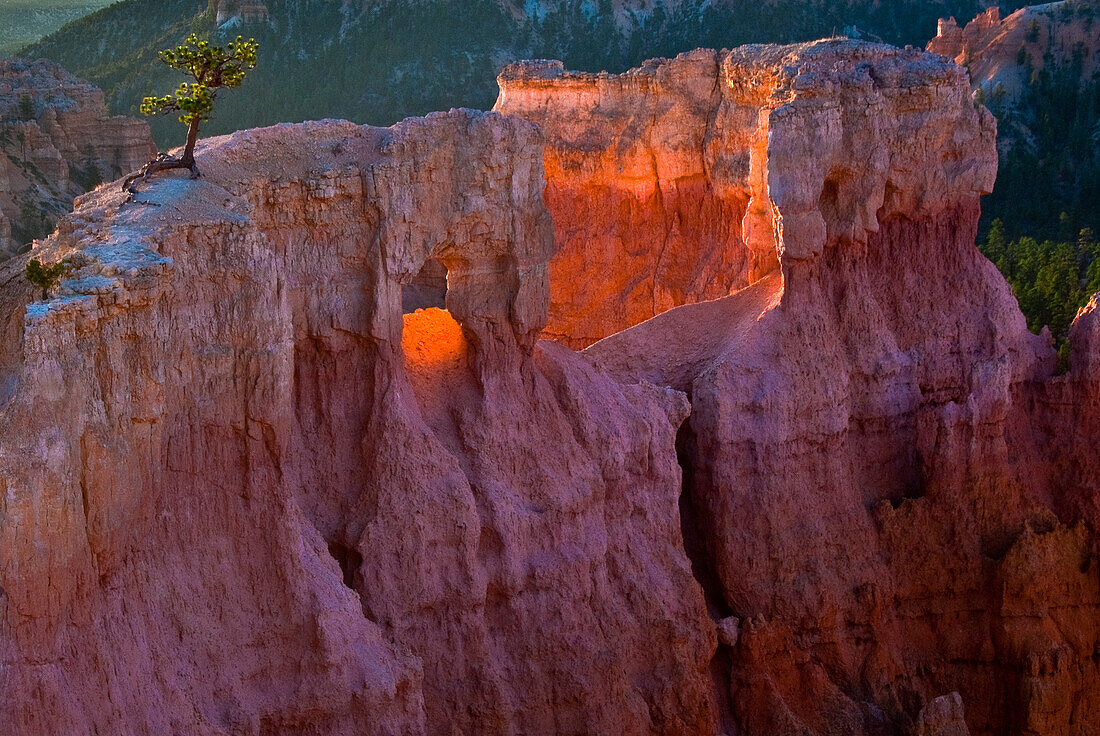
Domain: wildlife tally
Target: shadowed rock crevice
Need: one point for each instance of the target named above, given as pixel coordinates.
(349, 560)
(829, 201)
(706, 575)
(694, 536)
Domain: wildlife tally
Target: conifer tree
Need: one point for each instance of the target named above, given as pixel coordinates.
(44, 277)
(212, 68)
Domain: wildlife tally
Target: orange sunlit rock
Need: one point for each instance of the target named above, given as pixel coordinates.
(437, 357)
(653, 179)
(432, 340)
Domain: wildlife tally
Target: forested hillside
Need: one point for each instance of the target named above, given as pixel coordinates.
(383, 60)
(1042, 219)
(1040, 223)
(25, 21)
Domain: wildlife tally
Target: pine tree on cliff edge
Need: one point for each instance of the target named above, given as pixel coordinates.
(44, 277)
(212, 68)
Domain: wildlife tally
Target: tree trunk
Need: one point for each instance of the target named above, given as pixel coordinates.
(188, 159)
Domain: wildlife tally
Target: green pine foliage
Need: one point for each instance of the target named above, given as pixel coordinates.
(44, 277)
(1051, 170)
(211, 67)
(1051, 278)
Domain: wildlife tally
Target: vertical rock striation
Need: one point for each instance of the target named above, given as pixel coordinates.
(654, 182)
(241, 492)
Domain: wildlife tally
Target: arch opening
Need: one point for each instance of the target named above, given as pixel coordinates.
(427, 289)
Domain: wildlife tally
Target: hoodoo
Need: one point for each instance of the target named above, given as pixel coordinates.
(816, 478)
(1003, 54)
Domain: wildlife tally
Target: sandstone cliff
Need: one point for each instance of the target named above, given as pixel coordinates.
(243, 494)
(890, 494)
(56, 141)
(669, 184)
(1003, 53)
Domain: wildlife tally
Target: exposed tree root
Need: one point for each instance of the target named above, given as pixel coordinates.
(163, 162)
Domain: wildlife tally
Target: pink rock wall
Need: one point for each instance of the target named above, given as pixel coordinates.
(887, 489)
(233, 503)
(49, 159)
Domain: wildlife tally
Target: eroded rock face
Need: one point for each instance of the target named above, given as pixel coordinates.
(242, 493)
(944, 716)
(684, 180)
(56, 142)
(645, 215)
(890, 488)
(1003, 53)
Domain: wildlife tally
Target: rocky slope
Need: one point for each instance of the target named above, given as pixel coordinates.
(243, 492)
(238, 12)
(1003, 53)
(56, 141)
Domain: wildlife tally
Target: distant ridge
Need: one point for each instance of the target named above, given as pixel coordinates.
(377, 61)
(26, 21)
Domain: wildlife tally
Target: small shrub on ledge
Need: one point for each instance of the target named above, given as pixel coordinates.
(44, 277)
